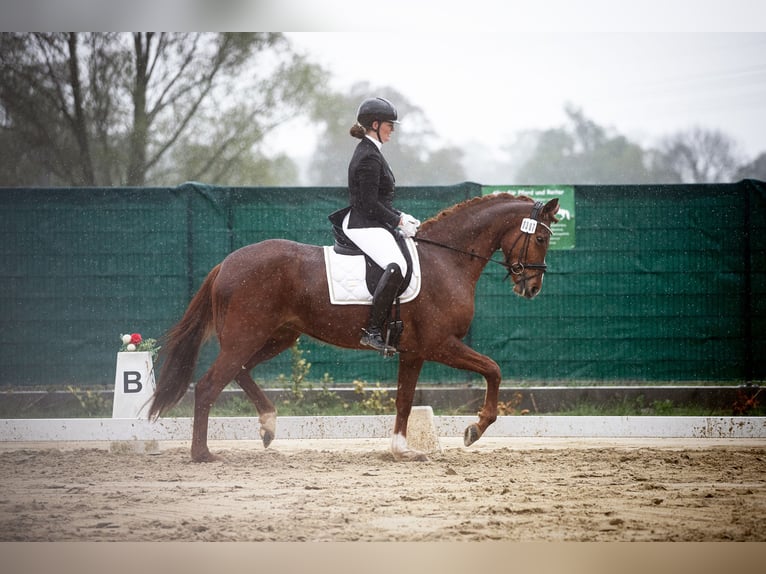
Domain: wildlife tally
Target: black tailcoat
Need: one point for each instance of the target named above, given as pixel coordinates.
(371, 188)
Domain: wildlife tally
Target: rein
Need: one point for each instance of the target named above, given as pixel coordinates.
(518, 267)
(456, 250)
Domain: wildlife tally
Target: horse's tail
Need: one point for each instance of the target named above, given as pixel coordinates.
(180, 349)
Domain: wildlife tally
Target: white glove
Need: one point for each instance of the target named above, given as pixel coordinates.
(408, 225)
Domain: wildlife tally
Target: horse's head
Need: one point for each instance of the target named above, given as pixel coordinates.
(525, 247)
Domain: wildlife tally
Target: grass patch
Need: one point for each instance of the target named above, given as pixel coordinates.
(302, 397)
(367, 400)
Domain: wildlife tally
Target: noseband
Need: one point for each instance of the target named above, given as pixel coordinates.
(528, 227)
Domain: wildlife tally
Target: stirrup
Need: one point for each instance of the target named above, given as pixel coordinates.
(374, 339)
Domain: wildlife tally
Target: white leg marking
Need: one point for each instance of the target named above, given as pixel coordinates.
(398, 445)
(268, 427)
(401, 451)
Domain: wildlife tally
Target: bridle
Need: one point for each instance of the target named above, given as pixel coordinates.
(528, 228)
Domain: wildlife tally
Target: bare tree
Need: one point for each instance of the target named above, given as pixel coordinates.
(696, 155)
(126, 109)
(755, 169)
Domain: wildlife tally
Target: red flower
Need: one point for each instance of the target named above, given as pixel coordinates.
(135, 338)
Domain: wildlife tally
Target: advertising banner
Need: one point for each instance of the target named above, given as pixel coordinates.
(564, 230)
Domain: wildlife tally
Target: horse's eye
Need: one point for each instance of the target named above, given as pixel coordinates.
(541, 239)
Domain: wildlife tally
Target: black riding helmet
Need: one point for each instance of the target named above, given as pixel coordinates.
(376, 110)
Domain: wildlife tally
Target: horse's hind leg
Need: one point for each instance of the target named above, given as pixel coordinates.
(281, 341)
(267, 413)
(223, 370)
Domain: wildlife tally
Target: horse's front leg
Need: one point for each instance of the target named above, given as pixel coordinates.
(409, 370)
(455, 353)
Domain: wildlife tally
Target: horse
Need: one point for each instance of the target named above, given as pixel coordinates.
(263, 296)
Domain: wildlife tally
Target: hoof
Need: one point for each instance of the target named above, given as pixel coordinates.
(403, 453)
(206, 456)
(268, 428)
(411, 456)
(266, 436)
(471, 435)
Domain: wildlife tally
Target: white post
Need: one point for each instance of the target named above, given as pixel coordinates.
(133, 385)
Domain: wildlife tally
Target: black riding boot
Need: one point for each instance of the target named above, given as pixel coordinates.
(382, 299)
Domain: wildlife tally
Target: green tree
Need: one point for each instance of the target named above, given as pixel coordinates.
(413, 153)
(145, 108)
(583, 152)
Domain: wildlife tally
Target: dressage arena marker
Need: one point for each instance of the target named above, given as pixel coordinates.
(422, 434)
(133, 385)
(380, 426)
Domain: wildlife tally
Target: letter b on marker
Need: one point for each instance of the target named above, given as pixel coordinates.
(131, 382)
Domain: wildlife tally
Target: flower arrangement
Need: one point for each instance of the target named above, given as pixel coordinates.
(135, 342)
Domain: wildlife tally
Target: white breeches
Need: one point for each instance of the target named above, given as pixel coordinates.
(378, 243)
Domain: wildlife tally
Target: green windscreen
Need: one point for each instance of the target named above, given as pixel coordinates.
(664, 283)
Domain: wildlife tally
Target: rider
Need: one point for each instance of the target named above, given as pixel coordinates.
(372, 220)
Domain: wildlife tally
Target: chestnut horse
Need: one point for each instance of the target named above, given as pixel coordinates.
(262, 297)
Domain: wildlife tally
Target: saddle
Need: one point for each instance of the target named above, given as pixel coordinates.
(373, 272)
(336, 257)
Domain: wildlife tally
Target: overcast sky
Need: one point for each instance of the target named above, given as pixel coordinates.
(480, 86)
(483, 70)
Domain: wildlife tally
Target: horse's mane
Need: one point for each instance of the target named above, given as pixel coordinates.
(471, 201)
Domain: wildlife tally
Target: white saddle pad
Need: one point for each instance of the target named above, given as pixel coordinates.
(346, 277)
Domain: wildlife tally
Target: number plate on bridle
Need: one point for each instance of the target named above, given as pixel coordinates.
(528, 225)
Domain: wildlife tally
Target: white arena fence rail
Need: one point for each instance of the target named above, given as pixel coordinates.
(380, 426)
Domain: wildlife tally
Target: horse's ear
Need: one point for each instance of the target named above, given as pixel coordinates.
(552, 207)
